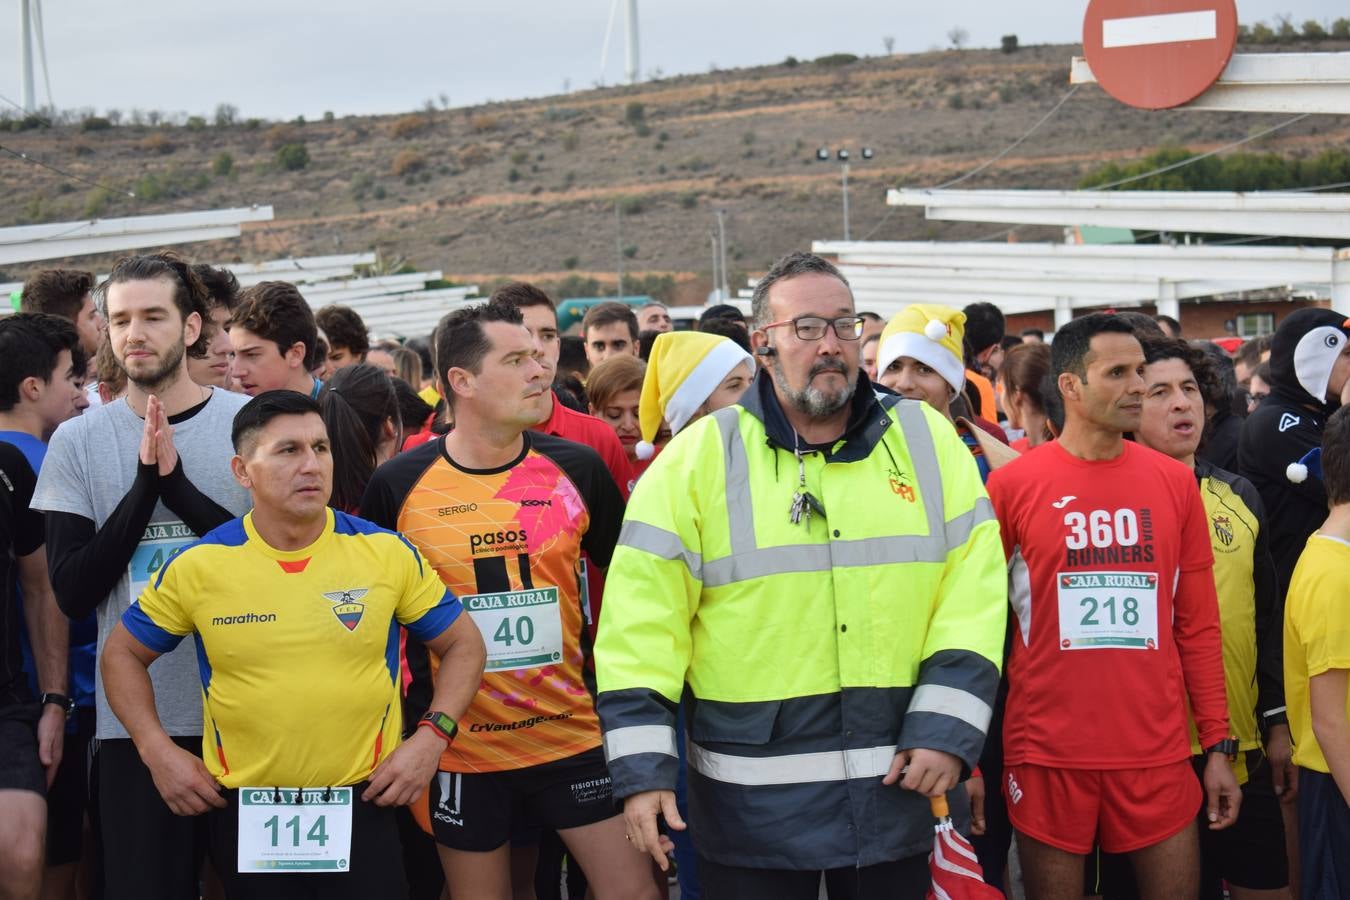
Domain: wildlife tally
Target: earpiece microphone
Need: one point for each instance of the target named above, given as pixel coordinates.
(765, 351)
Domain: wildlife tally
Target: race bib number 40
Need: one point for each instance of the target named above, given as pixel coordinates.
(1099, 610)
(522, 629)
(290, 830)
(161, 540)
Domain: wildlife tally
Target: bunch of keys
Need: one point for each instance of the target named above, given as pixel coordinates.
(803, 503)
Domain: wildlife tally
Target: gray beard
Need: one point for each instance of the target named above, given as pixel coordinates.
(810, 400)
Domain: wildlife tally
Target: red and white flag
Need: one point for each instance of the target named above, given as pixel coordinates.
(954, 867)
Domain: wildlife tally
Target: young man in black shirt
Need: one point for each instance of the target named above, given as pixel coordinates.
(38, 384)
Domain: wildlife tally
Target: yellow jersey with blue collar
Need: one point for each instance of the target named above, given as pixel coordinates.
(1249, 618)
(1316, 636)
(298, 650)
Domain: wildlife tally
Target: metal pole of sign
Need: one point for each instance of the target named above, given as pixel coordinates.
(716, 278)
(845, 174)
(618, 245)
(722, 243)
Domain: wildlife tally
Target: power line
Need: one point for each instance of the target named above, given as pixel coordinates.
(27, 112)
(980, 168)
(1320, 187)
(1128, 180)
(1182, 164)
(1195, 159)
(18, 154)
(1014, 145)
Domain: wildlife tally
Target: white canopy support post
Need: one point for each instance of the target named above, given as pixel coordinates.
(1268, 82)
(1340, 282)
(1063, 312)
(1168, 304)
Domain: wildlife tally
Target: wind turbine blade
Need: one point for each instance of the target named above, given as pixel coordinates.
(609, 31)
(42, 51)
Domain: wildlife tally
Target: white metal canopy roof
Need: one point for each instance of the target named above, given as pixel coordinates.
(1268, 82)
(300, 270)
(1287, 214)
(30, 243)
(417, 303)
(348, 291)
(1210, 262)
(1035, 277)
(1013, 282)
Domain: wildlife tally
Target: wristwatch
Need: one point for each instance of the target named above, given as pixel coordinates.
(60, 700)
(1228, 747)
(444, 726)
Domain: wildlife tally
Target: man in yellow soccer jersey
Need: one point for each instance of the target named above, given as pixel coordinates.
(1316, 672)
(295, 611)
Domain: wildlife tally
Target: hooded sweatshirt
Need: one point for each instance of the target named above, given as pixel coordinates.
(1288, 424)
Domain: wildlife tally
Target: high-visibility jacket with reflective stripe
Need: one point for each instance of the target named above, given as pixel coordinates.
(807, 653)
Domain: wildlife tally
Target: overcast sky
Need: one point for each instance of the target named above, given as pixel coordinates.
(281, 58)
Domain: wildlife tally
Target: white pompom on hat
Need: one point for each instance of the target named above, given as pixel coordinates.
(931, 334)
(1309, 464)
(935, 330)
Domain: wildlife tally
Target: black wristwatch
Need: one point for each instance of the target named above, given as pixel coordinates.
(60, 700)
(1277, 716)
(444, 726)
(1228, 747)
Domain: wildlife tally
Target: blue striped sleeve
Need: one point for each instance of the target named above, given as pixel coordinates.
(143, 629)
(432, 624)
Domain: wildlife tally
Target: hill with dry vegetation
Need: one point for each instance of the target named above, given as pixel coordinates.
(530, 188)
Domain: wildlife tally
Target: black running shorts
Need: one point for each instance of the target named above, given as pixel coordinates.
(476, 811)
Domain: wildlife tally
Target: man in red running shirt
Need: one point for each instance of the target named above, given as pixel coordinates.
(541, 318)
(1117, 627)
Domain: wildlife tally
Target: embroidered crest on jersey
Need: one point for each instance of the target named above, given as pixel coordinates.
(1223, 529)
(348, 610)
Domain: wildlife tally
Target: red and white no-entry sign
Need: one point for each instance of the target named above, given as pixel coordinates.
(1156, 54)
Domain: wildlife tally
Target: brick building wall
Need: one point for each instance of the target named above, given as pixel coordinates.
(1198, 319)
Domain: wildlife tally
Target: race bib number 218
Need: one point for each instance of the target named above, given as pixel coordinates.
(1101, 610)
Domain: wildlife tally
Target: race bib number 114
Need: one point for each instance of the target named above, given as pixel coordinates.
(292, 830)
(1108, 610)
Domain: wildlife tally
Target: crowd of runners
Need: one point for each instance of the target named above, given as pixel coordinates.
(498, 613)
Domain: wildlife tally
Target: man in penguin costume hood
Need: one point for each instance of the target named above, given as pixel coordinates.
(1310, 364)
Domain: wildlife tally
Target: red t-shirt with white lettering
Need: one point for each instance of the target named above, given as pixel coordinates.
(1096, 551)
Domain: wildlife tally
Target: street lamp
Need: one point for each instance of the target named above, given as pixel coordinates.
(842, 154)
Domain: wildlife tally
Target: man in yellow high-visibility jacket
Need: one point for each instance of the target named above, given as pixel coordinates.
(818, 573)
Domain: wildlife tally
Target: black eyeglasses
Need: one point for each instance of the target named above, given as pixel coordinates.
(812, 328)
